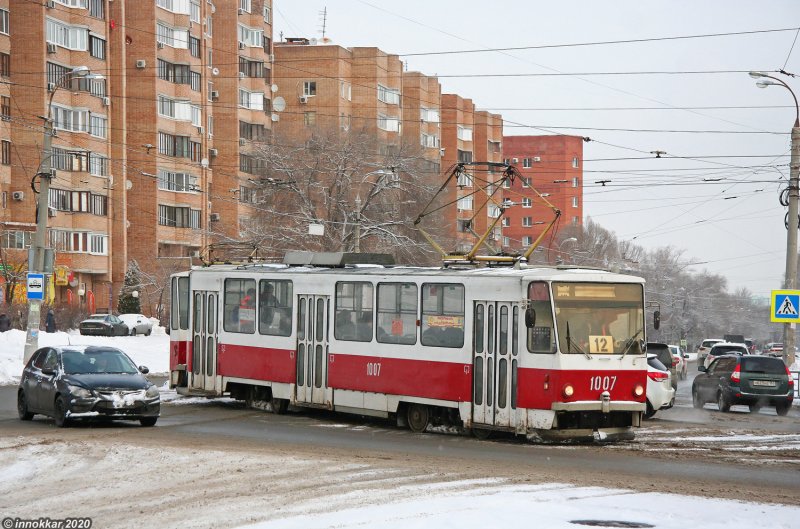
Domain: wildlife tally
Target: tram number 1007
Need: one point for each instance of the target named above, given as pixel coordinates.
(602, 383)
(373, 369)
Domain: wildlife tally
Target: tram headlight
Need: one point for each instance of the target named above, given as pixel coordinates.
(638, 391)
(568, 390)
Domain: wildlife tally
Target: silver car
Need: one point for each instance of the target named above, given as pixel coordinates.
(137, 324)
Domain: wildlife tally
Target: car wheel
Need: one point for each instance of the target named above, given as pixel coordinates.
(60, 414)
(133, 331)
(148, 332)
(148, 421)
(722, 402)
(754, 408)
(783, 409)
(22, 407)
(697, 402)
(649, 412)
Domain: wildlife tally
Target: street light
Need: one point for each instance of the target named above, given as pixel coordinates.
(45, 174)
(765, 80)
(561, 245)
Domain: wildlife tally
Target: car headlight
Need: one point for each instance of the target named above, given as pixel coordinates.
(152, 392)
(79, 392)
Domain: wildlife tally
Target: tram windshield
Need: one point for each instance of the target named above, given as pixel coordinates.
(599, 318)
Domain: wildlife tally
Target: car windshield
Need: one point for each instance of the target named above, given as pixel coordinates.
(97, 361)
(674, 350)
(728, 349)
(760, 364)
(599, 318)
(98, 317)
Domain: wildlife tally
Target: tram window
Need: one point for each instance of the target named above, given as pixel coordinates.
(198, 312)
(478, 328)
(515, 332)
(174, 313)
(354, 314)
(397, 313)
(183, 302)
(301, 320)
(503, 346)
(443, 315)
(541, 338)
(240, 306)
(275, 307)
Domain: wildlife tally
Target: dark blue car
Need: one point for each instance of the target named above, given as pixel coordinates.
(85, 382)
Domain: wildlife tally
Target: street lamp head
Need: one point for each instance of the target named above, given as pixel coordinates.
(80, 71)
(763, 83)
(569, 239)
(757, 75)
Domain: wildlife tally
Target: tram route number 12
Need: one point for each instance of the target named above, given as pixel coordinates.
(602, 383)
(373, 369)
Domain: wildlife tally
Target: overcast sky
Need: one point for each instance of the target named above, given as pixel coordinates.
(733, 225)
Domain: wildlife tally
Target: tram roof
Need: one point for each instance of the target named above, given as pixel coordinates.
(532, 272)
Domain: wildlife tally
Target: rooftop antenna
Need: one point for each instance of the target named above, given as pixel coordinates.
(281, 36)
(324, 15)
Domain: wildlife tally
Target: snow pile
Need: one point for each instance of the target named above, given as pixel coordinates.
(151, 351)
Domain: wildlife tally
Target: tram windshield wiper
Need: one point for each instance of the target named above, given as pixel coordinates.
(630, 342)
(571, 342)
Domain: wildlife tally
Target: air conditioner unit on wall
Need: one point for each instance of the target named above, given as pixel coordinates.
(141, 63)
(241, 12)
(214, 217)
(160, 45)
(106, 101)
(50, 4)
(213, 152)
(304, 99)
(215, 94)
(537, 159)
(51, 48)
(18, 196)
(52, 212)
(241, 45)
(241, 141)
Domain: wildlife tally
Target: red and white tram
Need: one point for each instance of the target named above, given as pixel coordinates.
(553, 352)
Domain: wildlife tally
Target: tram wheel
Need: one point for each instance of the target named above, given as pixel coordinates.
(279, 406)
(481, 433)
(418, 417)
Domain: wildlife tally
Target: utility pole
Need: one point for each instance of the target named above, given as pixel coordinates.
(38, 250)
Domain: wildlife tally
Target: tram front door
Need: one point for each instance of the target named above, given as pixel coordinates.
(495, 362)
(312, 350)
(204, 340)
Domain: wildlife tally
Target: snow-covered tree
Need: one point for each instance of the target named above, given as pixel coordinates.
(128, 303)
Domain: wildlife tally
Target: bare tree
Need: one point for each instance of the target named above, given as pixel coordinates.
(366, 197)
(13, 267)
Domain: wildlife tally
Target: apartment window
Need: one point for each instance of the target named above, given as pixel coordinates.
(575, 221)
(464, 180)
(72, 120)
(174, 38)
(494, 147)
(179, 216)
(99, 126)
(346, 90)
(493, 212)
(574, 202)
(4, 20)
(5, 157)
(178, 110)
(210, 126)
(194, 11)
(197, 118)
(97, 9)
(526, 202)
(388, 123)
(5, 65)
(209, 25)
(5, 108)
(245, 5)
(97, 47)
(78, 201)
(389, 96)
(249, 68)
(527, 240)
(506, 241)
(309, 88)
(267, 44)
(252, 131)
(175, 6)
(506, 183)
(526, 163)
(575, 182)
(429, 140)
(15, 239)
(309, 119)
(429, 115)
(98, 165)
(267, 14)
(464, 156)
(250, 37)
(98, 244)
(174, 73)
(464, 133)
(506, 222)
(527, 222)
(526, 181)
(178, 146)
(251, 100)
(249, 164)
(194, 46)
(248, 195)
(171, 181)
(66, 36)
(464, 203)
(575, 162)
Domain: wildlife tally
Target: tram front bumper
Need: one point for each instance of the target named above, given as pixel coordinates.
(599, 405)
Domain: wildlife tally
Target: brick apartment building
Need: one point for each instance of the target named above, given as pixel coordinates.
(139, 173)
(554, 166)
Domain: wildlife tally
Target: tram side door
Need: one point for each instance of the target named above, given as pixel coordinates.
(204, 340)
(495, 349)
(312, 350)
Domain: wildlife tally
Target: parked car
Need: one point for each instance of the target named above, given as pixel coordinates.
(660, 393)
(680, 360)
(704, 348)
(661, 350)
(103, 325)
(774, 349)
(137, 324)
(84, 382)
(749, 379)
(724, 348)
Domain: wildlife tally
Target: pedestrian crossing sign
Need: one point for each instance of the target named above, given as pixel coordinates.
(785, 306)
